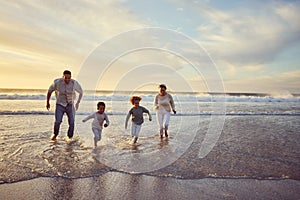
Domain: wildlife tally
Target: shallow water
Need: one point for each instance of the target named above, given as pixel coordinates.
(259, 139)
(260, 147)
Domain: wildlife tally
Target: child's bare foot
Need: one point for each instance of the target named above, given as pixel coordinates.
(166, 134)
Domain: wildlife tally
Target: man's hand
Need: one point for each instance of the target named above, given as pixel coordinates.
(48, 100)
(77, 106)
(48, 105)
(174, 111)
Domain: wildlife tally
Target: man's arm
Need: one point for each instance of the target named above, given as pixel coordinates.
(50, 90)
(48, 100)
(80, 91)
(78, 101)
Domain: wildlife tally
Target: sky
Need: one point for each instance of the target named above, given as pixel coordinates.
(245, 46)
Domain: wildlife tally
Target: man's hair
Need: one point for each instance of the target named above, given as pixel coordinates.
(162, 86)
(133, 98)
(67, 72)
(100, 104)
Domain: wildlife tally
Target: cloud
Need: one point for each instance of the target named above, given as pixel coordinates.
(246, 37)
(64, 25)
(245, 42)
(290, 13)
(277, 82)
(291, 75)
(50, 35)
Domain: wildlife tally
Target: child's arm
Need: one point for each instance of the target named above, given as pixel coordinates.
(145, 110)
(150, 117)
(88, 117)
(106, 121)
(127, 118)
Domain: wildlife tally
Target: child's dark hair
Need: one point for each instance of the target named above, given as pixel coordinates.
(133, 98)
(100, 104)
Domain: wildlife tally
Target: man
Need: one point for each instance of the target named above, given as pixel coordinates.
(65, 88)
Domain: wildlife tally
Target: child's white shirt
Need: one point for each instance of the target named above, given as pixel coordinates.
(98, 120)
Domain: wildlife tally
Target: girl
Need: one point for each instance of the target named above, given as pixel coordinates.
(136, 113)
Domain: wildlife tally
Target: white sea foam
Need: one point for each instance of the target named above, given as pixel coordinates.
(187, 104)
(179, 97)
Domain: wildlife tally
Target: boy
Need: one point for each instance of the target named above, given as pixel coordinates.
(97, 124)
(137, 117)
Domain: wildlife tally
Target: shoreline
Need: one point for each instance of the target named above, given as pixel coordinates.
(162, 176)
(118, 185)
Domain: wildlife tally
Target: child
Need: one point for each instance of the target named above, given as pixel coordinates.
(99, 118)
(137, 117)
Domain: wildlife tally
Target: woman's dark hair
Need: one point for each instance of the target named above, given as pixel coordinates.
(100, 104)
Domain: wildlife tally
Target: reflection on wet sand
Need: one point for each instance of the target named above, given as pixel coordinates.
(115, 185)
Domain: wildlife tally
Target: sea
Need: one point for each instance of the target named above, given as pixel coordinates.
(212, 135)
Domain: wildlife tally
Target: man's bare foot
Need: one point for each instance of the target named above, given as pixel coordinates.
(53, 138)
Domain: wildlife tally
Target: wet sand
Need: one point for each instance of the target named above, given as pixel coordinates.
(116, 185)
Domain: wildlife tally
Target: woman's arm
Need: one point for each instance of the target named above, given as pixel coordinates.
(172, 104)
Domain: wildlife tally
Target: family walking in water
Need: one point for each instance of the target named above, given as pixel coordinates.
(65, 89)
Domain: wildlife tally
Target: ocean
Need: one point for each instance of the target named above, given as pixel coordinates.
(250, 136)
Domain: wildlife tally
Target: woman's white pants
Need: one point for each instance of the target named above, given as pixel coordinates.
(163, 119)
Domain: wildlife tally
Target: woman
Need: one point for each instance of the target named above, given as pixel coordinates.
(163, 104)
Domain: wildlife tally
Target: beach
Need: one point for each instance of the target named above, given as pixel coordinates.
(251, 166)
(256, 155)
(115, 185)
(210, 91)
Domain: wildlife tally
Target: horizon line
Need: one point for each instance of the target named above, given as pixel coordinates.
(154, 91)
